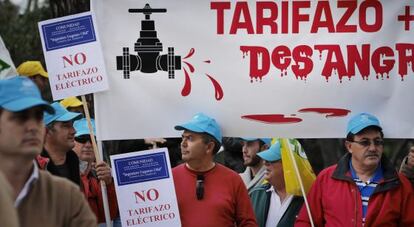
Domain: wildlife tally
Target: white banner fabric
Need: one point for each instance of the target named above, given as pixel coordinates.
(296, 69)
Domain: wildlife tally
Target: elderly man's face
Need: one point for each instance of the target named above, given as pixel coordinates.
(366, 149)
(84, 149)
(22, 133)
(274, 171)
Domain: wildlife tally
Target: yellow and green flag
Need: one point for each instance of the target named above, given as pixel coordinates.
(292, 146)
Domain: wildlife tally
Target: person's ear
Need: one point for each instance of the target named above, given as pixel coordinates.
(348, 146)
(210, 147)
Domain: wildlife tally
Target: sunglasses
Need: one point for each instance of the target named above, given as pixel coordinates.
(83, 139)
(200, 187)
(367, 143)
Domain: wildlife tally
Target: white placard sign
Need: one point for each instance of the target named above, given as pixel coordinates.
(73, 55)
(145, 188)
(295, 68)
(6, 64)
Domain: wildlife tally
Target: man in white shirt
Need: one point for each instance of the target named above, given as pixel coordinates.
(271, 204)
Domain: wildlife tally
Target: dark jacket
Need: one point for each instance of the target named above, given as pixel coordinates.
(72, 161)
(261, 202)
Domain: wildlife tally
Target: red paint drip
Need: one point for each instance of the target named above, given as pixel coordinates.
(187, 85)
(329, 112)
(207, 61)
(272, 118)
(190, 66)
(192, 50)
(217, 88)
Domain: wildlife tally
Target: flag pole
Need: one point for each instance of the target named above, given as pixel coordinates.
(98, 158)
(295, 165)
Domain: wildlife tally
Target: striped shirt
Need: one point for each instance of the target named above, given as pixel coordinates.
(366, 188)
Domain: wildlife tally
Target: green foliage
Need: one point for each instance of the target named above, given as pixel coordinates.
(20, 32)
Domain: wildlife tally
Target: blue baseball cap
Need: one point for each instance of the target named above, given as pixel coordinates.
(361, 121)
(264, 140)
(81, 127)
(61, 114)
(272, 154)
(20, 93)
(202, 123)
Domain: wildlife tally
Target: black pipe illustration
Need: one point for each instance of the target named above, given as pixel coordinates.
(148, 47)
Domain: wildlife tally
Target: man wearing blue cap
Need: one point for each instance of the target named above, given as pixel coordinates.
(57, 156)
(208, 193)
(40, 198)
(91, 173)
(363, 189)
(254, 173)
(272, 205)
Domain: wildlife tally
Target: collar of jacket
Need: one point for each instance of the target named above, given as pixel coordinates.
(72, 161)
(390, 181)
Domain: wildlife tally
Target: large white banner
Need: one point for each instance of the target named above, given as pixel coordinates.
(73, 55)
(261, 68)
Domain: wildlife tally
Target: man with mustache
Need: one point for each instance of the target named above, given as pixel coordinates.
(363, 188)
(57, 156)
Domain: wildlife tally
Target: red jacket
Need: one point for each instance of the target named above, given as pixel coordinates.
(91, 188)
(335, 200)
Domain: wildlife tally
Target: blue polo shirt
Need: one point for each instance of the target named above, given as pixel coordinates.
(366, 188)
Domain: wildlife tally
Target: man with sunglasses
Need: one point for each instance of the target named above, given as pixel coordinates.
(208, 194)
(57, 156)
(272, 205)
(363, 189)
(91, 173)
(40, 198)
(255, 170)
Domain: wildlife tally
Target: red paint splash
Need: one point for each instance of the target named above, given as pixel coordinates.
(272, 118)
(329, 112)
(192, 50)
(190, 66)
(187, 85)
(217, 88)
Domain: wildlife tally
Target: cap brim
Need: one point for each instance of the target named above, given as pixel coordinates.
(81, 133)
(269, 155)
(190, 127)
(249, 139)
(45, 75)
(193, 128)
(26, 103)
(69, 116)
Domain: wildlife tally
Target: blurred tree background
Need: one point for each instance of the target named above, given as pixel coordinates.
(19, 30)
(18, 24)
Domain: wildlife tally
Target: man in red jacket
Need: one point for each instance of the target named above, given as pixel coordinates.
(363, 189)
(91, 173)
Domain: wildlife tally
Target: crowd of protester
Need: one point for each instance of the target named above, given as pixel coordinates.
(50, 176)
